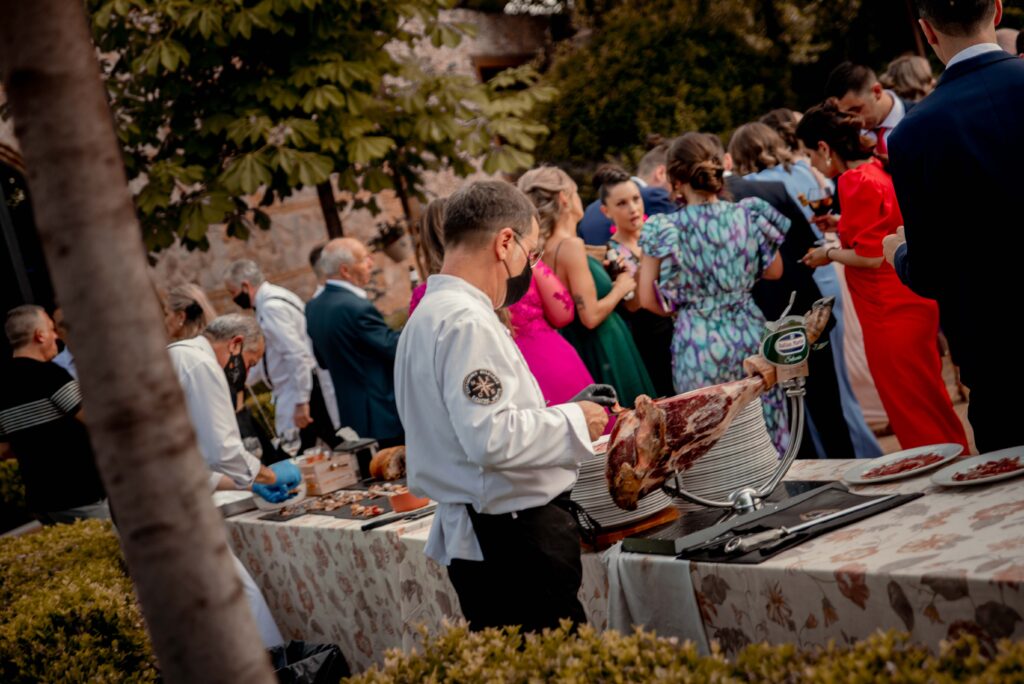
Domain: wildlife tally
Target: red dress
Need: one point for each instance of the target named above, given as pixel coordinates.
(900, 328)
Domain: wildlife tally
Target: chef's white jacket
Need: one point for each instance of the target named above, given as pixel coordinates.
(211, 410)
(288, 361)
(477, 428)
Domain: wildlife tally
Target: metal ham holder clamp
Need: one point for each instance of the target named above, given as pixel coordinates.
(786, 347)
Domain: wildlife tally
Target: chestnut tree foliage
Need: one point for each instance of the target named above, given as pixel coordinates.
(223, 106)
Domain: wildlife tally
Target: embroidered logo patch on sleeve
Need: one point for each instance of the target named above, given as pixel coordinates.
(482, 387)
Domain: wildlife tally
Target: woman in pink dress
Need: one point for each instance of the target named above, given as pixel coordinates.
(533, 320)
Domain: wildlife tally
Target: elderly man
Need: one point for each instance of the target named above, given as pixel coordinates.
(40, 416)
(351, 338)
(859, 92)
(288, 365)
(211, 368)
(482, 441)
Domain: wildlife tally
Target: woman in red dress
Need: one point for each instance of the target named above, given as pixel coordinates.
(900, 328)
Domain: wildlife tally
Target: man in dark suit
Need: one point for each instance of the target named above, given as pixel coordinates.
(352, 340)
(958, 165)
(651, 176)
(772, 297)
(859, 92)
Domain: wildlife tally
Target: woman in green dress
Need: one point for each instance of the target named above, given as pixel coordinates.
(598, 333)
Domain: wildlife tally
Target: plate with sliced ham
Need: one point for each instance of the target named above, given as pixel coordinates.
(906, 463)
(990, 467)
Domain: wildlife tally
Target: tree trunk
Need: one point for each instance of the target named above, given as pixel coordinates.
(325, 192)
(173, 538)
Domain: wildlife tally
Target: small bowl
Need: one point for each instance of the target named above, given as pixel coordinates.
(408, 501)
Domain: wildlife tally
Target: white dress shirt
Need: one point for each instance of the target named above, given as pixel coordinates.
(354, 289)
(973, 51)
(896, 114)
(212, 412)
(288, 362)
(502, 453)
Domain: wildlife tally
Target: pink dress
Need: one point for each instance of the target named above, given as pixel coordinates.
(546, 306)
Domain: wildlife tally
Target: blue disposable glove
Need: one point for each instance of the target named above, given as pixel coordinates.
(287, 474)
(274, 493)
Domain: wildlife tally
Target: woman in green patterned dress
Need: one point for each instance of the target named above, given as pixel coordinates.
(717, 251)
(602, 339)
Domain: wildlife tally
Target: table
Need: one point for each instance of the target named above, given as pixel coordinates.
(949, 562)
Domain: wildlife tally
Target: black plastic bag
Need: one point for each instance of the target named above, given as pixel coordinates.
(302, 663)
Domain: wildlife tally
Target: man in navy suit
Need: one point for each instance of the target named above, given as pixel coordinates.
(352, 340)
(957, 161)
(652, 178)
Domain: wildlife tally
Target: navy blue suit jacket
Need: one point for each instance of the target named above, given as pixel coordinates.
(351, 339)
(957, 161)
(596, 229)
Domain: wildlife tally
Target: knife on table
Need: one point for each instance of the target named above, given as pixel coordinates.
(410, 515)
(752, 542)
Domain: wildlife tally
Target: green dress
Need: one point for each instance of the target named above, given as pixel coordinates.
(608, 350)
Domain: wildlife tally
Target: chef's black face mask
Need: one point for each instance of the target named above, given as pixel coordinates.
(242, 300)
(235, 371)
(516, 287)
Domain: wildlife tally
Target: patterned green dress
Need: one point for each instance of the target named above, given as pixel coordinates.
(716, 252)
(608, 350)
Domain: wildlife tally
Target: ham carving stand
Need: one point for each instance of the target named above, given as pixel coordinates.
(786, 347)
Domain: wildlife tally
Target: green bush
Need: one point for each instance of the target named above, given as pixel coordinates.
(69, 611)
(13, 506)
(458, 655)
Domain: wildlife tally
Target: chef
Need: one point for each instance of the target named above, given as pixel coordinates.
(211, 368)
(480, 439)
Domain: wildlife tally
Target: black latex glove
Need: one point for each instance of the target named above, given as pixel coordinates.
(602, 395)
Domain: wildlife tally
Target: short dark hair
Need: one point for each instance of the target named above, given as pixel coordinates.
(849, 78)
(314, 255)
(956, 17)
(478, 210)
(655, 157)
(607, 177)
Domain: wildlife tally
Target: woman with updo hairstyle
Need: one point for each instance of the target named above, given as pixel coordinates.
(900, 329)
(187, 312)
(716, 251)
(597, 332)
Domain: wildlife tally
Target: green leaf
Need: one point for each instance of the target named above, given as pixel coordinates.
(253, 128)
(321, 98)
(375, 180)
(299, 132)
(172, 53)
(245, 174)
(359, 102)
(364, 150)
(261, 218)
(508, 160)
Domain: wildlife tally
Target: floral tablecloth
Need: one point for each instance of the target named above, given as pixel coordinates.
(949, 562)
(325, 580)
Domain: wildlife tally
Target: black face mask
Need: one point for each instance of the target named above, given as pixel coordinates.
(235, 371)
(516, 287)
(242, 300)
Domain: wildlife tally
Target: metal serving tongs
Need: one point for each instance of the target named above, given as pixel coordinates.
(758, 540)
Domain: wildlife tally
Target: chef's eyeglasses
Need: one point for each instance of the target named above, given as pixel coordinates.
(532, 257)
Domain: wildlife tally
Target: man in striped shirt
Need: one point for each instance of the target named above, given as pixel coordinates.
(40, 416)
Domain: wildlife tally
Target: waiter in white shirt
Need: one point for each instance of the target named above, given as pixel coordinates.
(210, 369)
(480, 439)
(288, 365)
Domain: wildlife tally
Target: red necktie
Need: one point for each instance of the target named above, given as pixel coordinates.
(880, 146)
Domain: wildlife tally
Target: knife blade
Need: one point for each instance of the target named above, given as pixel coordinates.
(407, 516)
(757, 540)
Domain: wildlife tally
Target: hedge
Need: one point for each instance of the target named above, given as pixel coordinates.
(69, 611)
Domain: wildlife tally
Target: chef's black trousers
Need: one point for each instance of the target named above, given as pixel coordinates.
(531, 572)
(994, 417)
(322, 425)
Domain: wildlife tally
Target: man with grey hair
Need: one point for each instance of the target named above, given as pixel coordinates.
(211, 369)
(41, 419)
(483, 442)
(288, 365)
(352, 340)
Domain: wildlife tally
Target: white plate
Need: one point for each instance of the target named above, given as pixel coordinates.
(945, 476)
(855, 475)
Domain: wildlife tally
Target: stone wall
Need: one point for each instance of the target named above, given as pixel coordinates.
(297, 223)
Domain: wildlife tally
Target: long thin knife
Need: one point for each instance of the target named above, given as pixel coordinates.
(407, 516)
(752, 542)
